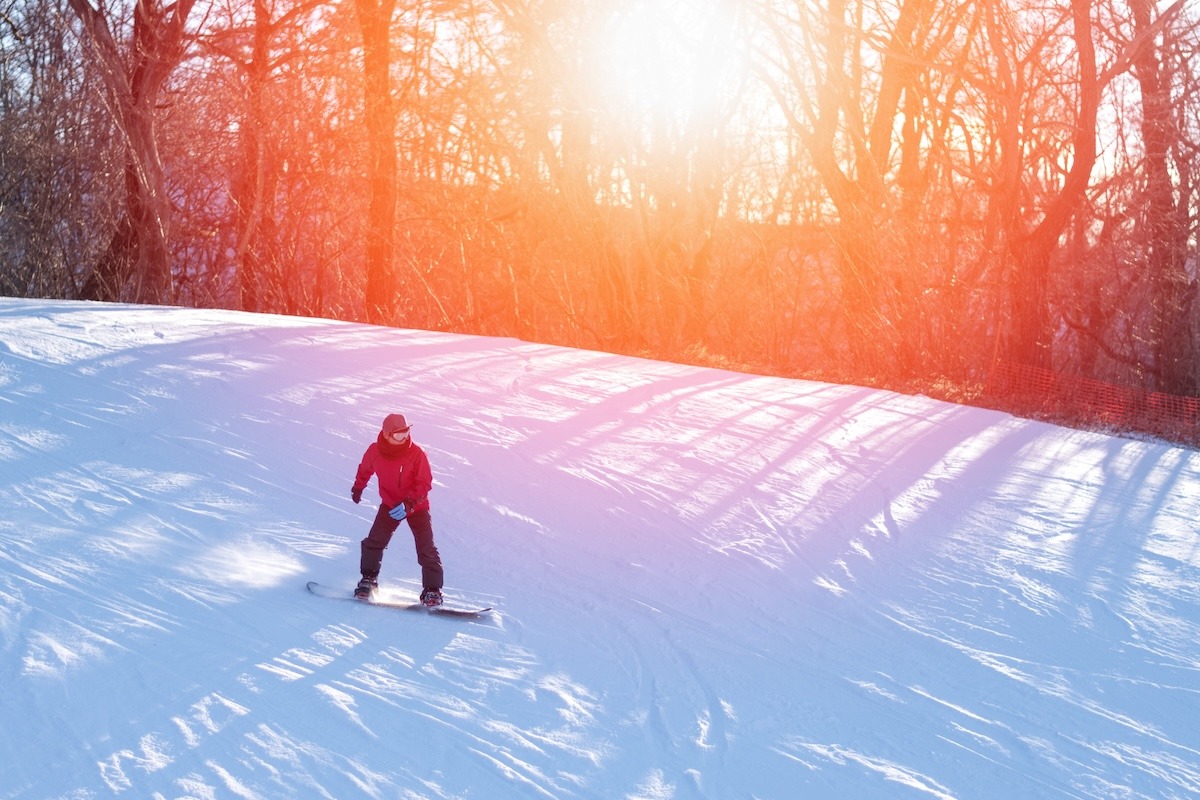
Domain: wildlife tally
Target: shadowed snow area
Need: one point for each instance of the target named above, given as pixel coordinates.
(707, 584)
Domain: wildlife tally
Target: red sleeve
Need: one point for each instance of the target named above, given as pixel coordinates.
(366, 469)
(422, 479)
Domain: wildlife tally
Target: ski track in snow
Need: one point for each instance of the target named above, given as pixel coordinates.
(709, 585)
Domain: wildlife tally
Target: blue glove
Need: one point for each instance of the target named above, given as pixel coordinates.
(398, 512)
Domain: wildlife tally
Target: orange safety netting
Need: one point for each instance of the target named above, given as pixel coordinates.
(1035, 392)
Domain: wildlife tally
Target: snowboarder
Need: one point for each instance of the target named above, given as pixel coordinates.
(404, 476)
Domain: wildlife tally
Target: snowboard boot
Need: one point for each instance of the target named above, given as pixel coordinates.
(431, 598)
(366, 587)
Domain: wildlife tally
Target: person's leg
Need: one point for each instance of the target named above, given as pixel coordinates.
(376, 542)
(428, 557)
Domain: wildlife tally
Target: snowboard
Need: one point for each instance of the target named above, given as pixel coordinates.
(407, 605)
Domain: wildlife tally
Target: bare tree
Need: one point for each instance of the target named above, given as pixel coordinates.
(136, 265)
(274, 37)
(54, 154)
(1034, 221)
(1165, 222)
(847, 76)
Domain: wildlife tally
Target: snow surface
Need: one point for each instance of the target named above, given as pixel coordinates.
(708, 584)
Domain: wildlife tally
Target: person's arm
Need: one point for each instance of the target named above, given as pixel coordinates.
(366, 468)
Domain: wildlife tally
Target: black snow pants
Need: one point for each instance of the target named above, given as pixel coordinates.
(421, 525)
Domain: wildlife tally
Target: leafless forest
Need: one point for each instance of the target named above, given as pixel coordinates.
(900, 193)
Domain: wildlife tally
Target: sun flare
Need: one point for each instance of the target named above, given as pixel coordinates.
(660, 57)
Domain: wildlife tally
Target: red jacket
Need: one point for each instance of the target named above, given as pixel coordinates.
(403, 473)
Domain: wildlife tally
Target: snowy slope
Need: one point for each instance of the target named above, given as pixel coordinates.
(709, 585)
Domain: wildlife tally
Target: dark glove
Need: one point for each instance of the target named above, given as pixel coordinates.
(356, 494)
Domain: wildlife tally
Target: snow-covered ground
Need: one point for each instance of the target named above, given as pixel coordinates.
(708, 584)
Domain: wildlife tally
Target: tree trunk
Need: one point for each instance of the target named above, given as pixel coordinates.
(374, 18)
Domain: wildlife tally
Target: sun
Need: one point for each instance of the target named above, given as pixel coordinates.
(665, 58)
